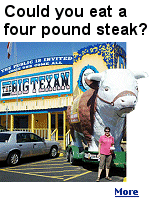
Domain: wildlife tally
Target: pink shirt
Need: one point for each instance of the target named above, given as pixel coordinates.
(106, 143)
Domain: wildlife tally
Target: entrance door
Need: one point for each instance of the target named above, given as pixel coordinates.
(21, 121)
(53, 121)
(60, 126)
(57, 122)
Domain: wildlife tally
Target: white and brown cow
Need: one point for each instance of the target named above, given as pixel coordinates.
(113, 94)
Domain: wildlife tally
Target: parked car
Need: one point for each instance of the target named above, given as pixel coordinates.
(16, 145)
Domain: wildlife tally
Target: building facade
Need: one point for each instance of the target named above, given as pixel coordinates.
(35, 94)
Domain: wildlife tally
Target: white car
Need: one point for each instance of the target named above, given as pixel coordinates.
(16, 145)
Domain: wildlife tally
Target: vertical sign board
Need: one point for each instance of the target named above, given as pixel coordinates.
(55, 82)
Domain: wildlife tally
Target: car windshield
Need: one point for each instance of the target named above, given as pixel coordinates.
(4, 137)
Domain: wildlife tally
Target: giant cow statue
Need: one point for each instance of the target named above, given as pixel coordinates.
(113, 94)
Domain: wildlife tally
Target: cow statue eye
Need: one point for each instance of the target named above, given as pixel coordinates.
(136, 88)
(106, 89)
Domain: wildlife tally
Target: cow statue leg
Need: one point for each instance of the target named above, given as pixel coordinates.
(79, 140)
(93, 145)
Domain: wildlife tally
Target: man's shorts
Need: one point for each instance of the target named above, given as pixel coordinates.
(105, 159)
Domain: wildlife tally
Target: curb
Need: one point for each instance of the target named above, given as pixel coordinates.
(125, 179)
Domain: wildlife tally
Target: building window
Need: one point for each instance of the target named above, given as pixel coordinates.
(20, 121)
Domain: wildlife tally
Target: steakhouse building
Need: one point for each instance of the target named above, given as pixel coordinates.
(34, 94)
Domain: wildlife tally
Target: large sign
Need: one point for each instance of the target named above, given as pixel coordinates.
(55, 82)
(56, 60)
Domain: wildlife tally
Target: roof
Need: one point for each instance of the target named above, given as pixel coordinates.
(15, 132)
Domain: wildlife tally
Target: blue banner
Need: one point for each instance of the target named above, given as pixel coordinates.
(56, 60)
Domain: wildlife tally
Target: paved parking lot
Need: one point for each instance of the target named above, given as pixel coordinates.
(52, 170)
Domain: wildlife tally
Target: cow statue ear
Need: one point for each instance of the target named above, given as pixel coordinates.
(93, 80)
(140, 74)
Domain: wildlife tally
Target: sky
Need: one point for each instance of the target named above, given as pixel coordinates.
(22, 51)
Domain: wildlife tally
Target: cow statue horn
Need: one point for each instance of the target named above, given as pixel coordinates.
(139, 74)
(95, 76)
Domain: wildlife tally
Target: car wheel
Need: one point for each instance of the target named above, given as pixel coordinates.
(53, 152)
(71, 159)
(67, 155)
(13, 158)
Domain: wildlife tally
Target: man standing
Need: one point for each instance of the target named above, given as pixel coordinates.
(105, 143)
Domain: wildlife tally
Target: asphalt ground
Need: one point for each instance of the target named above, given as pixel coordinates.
(43, 169)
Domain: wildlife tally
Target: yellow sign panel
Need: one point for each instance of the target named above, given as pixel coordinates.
(74, 110)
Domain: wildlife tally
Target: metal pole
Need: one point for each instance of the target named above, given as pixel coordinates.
(15, 54)
(64, 128)
(32, 123)
(11, 122)
(49, 126)
(56, 125)
(7, 117)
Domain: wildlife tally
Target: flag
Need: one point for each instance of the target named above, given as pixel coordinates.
(9, 47)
